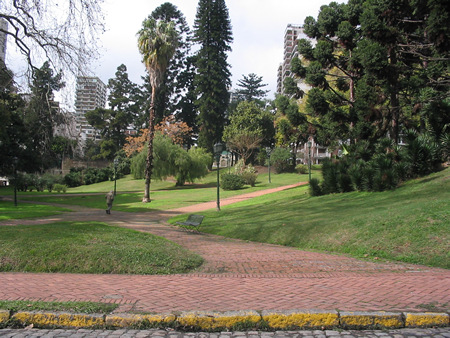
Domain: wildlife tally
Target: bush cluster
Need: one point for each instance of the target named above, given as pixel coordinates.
(231, 182)
(30, 182)
(381, 166)
(281, 160)
(242, 175)
(301, 169)
(81, 176)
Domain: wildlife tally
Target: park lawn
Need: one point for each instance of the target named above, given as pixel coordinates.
(409, 224)
(164, 194)
(26, 210)
(90, 247)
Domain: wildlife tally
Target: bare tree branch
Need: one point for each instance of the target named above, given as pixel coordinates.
(63, 32)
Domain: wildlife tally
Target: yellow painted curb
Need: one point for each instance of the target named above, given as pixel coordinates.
(302, 319)
(58, 319)
(231, 320)
(371, 319)
(215, 320)
(4, 316)
(127, 320)
(426, 319)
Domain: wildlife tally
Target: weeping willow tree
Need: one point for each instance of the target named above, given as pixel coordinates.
(157, 42)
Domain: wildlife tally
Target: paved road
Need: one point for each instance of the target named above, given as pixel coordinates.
(439, 332)
(239, 275)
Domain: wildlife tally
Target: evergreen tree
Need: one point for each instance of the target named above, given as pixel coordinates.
(212, 31)
(186, 109)
(251, 88)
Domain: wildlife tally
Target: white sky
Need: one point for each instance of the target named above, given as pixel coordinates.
(258, 28)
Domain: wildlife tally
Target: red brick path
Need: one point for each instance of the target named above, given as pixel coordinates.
(239, 275)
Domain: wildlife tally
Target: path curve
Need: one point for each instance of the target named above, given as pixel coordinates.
(237, 275)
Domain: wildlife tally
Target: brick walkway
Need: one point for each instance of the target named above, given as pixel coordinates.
(239, 275)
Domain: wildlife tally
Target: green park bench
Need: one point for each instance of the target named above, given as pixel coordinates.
(193, 222)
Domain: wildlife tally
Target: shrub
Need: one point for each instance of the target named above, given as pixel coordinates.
(60, 188)
(248, 173)
(50, 180)
(301, 168)
(314, 187)
(281, 160)
(73, 178)
(249, 178)
(231, 182)
(330, 177)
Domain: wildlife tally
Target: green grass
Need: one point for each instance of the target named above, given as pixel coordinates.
(164, 194)
(90, 247)
(72, 307)
(409, 224)
(25, 210)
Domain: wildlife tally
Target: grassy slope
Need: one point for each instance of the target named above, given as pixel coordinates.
(164, 194)
(410, 224)
(93, 247)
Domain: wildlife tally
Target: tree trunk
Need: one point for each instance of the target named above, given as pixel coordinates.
(151, 135)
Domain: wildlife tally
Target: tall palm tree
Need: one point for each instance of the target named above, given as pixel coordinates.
(157, 42)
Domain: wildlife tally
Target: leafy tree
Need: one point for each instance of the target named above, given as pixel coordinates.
(39, 30)
(292, 126)
(13, 134)
(123, 98)
(249, 127)
(172, 160)
(157, 41)
(212, 31)
(41, 117)
(179, 132)
(251, 88)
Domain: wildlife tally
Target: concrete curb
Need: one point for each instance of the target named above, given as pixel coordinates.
(232, 320)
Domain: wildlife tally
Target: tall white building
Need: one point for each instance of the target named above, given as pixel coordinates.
(3, 29)
(90, 94)
(292, 34)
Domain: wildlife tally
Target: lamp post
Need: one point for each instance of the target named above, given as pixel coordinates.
(116, 162)
(269, 151)
(218, 148)
(15, 162)
(309, 160)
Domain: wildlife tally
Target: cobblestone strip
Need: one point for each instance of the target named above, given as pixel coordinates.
(399, 333)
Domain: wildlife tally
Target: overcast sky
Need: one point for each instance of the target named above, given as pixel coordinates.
(258, 30)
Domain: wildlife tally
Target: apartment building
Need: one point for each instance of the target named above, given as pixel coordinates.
(292, 34)
(90, 94)
(3, 29)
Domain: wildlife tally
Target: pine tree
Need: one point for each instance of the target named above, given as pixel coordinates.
(251, 88)
(212, 31)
